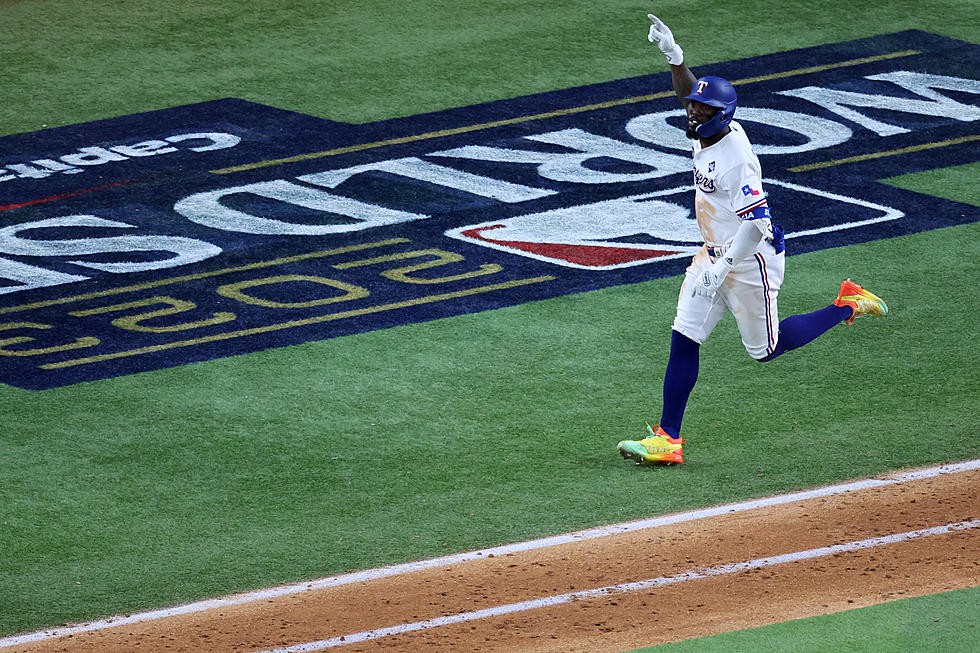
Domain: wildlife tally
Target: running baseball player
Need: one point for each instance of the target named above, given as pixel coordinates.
(740, 267)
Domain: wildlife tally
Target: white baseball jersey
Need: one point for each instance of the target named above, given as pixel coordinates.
(728, 179)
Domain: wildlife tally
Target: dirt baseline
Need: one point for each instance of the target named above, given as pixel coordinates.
(695, 606)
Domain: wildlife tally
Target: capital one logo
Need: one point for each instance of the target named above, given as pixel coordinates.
(87, 157)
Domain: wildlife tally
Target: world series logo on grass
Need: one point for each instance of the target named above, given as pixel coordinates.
(153, 240)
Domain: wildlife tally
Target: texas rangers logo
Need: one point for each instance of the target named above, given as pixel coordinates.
(702, 84)
(748, 190)
(703, 181)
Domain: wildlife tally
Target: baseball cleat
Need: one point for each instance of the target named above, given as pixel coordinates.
(859, 299)
(658, 448)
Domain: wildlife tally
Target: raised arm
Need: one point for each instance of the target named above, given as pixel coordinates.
(681, 76)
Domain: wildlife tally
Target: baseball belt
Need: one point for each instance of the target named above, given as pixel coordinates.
(716, 250)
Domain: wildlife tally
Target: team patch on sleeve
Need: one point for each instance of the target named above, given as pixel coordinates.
(755, 211)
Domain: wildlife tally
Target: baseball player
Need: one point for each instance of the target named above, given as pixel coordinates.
(740, 267)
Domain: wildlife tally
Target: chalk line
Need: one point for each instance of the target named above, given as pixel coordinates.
(636, 586)
(396, 570)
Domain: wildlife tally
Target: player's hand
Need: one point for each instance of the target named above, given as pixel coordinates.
(662, 36)
(707, 282)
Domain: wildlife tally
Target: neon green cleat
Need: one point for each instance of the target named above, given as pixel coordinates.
(658, 448)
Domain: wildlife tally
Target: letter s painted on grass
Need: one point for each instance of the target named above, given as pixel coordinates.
(187, 250)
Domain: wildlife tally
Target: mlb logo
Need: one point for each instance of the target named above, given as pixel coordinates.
(651, 228)
(606, 235)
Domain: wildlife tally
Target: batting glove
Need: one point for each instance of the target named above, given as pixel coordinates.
(661, 35)
(706, 283)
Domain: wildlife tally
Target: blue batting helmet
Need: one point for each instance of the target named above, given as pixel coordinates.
(715, 92)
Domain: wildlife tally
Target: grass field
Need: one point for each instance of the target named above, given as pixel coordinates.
(411, 442)
(940, 622)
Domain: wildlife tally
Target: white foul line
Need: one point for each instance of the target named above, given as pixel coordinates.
(396, 570)
(623, 588)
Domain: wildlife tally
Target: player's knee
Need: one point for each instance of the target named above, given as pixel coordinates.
(770, 353)
(761, 354)
(689, 332)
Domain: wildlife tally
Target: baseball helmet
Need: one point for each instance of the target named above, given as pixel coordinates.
(715, 92)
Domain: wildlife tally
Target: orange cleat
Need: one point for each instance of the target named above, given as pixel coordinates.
(860, 300)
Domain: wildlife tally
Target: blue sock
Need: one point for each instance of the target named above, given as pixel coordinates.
(679, 380)
(797, 330)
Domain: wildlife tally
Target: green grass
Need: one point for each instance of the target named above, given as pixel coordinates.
(69, 61)
(164, 487)
(940, 622)
(129, 493)
(957, 183)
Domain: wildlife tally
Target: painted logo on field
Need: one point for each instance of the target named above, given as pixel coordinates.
(227, 227)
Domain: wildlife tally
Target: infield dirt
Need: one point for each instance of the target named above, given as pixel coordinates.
(622, 621)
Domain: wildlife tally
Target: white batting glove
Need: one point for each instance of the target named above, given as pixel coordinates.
(707, 283)
(661, 35)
